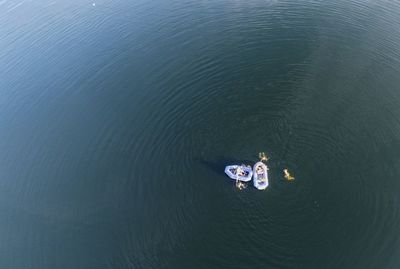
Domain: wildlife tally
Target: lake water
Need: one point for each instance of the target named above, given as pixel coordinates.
(118, 117)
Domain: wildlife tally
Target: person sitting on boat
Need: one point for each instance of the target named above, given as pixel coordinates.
(259, 170)
(240, 172)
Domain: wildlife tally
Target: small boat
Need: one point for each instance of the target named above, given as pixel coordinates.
(260, 172)
(239, 172)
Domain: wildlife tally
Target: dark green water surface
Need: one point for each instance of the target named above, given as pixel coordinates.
(117, 119)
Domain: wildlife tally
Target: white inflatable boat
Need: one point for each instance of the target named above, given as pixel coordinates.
(260, 172)
(239, 172)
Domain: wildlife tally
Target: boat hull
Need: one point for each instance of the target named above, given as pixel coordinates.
(260, 175)
(230, 171)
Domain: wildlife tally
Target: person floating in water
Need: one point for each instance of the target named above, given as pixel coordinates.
(263, 157)
(287, 175)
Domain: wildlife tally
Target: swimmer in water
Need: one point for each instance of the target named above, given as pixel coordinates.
(287, 175)
(240, 185)
(263, 157)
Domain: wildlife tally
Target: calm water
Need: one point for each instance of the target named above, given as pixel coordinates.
(117, 120)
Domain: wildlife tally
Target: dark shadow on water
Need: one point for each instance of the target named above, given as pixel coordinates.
(218, 164)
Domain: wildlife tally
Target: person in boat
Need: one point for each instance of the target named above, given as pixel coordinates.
(240, 172)
(259, 170)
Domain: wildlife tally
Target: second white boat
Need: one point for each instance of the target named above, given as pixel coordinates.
(260, 176)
